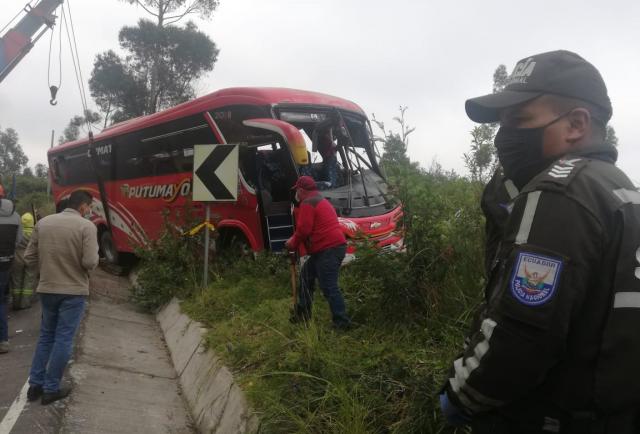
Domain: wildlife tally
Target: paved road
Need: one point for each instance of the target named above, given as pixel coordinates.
(123, 379)
(14, 371)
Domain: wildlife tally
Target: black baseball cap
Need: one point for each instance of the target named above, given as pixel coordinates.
(559, 72)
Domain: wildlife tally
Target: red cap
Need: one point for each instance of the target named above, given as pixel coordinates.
(305, 183)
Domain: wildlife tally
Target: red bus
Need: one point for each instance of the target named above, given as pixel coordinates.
(143, 166)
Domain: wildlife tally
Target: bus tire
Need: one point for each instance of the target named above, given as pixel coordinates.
(108, 248)
(233, 242)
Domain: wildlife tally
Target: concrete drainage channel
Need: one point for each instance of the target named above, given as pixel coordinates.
(216, 402)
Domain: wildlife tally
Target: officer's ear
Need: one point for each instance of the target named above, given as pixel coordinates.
(579, 125)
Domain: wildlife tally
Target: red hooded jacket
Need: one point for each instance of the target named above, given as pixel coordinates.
(317, 225)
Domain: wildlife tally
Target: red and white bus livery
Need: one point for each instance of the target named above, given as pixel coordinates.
(143, 167)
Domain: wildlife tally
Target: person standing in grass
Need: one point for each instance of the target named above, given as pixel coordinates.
(556, 343)
(317, 227)
(65, 246)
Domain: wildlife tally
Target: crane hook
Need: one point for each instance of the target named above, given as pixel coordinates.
(54, 91)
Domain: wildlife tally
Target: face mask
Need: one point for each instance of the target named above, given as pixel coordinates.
(87, 213)
(520, 151)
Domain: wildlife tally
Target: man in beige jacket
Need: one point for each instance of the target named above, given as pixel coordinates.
(65, 246)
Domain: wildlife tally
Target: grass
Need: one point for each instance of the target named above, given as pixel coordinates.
(381, 377)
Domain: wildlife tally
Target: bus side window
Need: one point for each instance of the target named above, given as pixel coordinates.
(161, 150)
(55, 168)
(229, 120)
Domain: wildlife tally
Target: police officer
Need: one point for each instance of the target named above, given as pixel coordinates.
(10, 236)
(557, 345)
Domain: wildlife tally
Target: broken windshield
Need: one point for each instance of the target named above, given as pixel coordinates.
(342, 158)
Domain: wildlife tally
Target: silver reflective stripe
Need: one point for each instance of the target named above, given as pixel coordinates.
(462, 373)
(628, 196)
(472, 362)
(626, 299)
(551, 425)
(527, 217)
(463, 398)
(487, 328)
(512, 190)
(464, 368)
(478, 402)
(481, 349)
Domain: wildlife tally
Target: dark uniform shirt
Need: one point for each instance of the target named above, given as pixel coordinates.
(559, 335)
(496, 203)
(10, 233)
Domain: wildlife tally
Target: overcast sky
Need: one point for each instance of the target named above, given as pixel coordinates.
(427, 55)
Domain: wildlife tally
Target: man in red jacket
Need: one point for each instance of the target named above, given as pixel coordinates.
(318, 229)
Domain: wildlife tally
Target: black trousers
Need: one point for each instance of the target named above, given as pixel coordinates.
(577, 423)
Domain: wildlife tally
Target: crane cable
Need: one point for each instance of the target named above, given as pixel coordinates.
(91, 152)
(73, 46)
(52, 88)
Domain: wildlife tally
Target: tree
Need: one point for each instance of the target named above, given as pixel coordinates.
(12, 158)
(27, 171)
(72, 131)
(115, 89)
(41, 170)
(610, 137)
(482, 159)
(500, 77)
(158, 70)
(395, 145)
(169, 12)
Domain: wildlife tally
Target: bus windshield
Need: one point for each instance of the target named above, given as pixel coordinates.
(342, 158)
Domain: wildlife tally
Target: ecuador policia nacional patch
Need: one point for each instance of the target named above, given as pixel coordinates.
(535, 278)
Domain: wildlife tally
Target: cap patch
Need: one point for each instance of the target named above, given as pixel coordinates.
(521, 72)
(535, 278)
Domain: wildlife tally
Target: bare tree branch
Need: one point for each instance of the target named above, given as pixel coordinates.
(191, 8)
(145, 8)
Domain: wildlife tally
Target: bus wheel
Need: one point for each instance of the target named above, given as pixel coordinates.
(107, 248)
(234, 243)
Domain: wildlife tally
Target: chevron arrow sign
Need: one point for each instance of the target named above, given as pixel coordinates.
(215, 173)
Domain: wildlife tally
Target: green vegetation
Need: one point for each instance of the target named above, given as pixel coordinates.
(30, 185)
(32, 191)
(411, 312)
(170, 264)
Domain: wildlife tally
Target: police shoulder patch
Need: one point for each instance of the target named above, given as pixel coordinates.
(535, 278)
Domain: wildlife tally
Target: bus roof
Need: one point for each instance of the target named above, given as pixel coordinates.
(224, 97)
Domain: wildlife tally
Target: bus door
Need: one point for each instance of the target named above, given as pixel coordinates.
(276, 172)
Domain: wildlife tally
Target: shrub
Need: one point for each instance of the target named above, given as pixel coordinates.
(170, 265)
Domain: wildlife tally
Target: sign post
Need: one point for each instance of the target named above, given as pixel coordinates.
(215, 179)
(205, 278)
